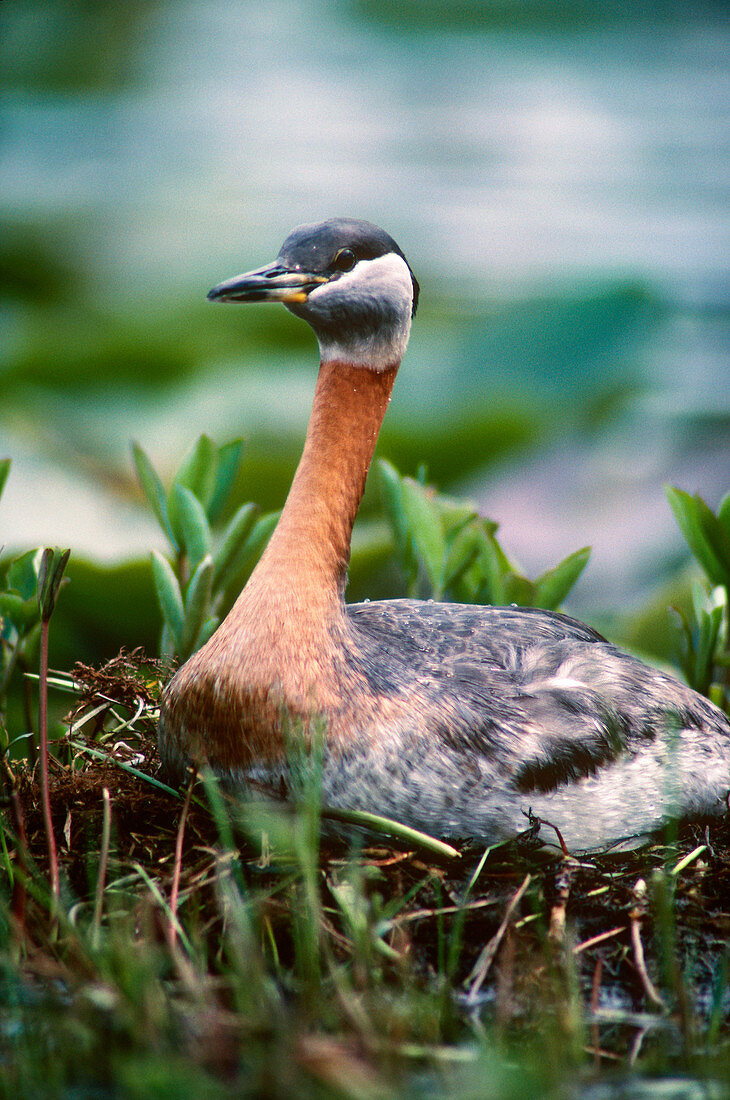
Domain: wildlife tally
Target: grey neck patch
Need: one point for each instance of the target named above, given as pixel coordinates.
(363, 317)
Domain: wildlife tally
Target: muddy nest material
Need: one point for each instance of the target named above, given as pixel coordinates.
(637, 941)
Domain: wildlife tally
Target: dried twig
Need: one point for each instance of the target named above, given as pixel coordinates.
(50, 575)
(556, 932)
(106, 830)
(441, 911)
(594, 940)
(43, 764)
(505, 981)
(537, 821)
(595, 995)
(177, 867)
(608, 1055)
(635, 916)
(486, 958)
(637, 1045)
(20, 894)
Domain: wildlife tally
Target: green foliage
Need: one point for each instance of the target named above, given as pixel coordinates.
(705, 628)
(707, 534)
(703, 642)
(51, 568)
(4, 471)
(18, 601)
(29, 588)
(191, 589)
(19, 608)
(475, 16)
(448, 551)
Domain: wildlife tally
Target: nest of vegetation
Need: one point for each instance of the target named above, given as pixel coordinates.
(264, 947)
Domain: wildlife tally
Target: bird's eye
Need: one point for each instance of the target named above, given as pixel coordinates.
(344, 260)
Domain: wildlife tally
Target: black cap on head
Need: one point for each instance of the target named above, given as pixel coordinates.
(316, 248)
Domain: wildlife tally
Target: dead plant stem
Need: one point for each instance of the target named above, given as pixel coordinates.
(106, 830)
(635, 918)
(486, 958)
(20, 894)
(43, 761)
(177, 867)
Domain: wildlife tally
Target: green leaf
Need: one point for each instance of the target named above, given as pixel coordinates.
(257, 540)
(154, 490)
(234, 539)
(50, 574)
(168, 647)
(198, 471)
(4, 471)
(45, 565)
(11, 607)
(392, 497)
(518, 589)
(206, 631)
(424, 522)
(723, 514)
(466, 587)
(169, 597)
(23, 574)
(229, 462)
(705, 650)
(191, 521)
(703, 532)
(455, 514)
(390, 487)
(701, 636)
(464, 550)
(21, 613)
(716, 537)
(552, 586)
(197, 606)
(494, 568)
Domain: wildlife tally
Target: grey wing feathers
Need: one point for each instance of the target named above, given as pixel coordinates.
(546, 699)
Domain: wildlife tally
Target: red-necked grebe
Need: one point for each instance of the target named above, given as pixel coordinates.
(457, 720)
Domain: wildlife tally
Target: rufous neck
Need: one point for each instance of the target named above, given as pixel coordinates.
(310, 549)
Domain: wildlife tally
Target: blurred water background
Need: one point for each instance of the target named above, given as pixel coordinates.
(558, 174)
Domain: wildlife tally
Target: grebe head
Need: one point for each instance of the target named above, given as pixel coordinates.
(349, 280)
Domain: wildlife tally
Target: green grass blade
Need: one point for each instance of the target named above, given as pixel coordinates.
(109, 759)
(378, 824)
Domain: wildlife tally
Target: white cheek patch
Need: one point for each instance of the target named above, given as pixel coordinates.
(386, 276)
(385, 279)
